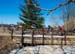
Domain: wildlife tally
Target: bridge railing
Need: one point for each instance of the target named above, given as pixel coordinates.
(43, 37)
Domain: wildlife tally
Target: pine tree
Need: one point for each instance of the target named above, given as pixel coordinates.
(31, 15)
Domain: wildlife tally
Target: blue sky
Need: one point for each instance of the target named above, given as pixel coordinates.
(9, 11)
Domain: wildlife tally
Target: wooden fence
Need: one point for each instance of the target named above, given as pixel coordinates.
(41, 37)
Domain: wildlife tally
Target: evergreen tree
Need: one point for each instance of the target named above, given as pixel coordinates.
(31, 15)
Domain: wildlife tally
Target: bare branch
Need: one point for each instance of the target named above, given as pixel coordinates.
(53, 9)
(60, 5)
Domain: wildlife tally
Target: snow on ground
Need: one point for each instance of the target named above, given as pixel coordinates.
(45, 50)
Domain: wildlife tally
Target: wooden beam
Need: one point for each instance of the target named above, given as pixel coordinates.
(43, 36)
(33, 37)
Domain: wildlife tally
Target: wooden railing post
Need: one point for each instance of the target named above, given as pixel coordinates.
(65, 37)
(12, 34)
(52, 38)
(33, 37)
(61, 42)
(22, 39)
(43, 35)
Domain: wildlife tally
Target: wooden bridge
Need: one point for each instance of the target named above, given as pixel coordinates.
(45, 39)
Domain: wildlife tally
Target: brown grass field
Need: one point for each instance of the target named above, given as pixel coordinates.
(6, 45)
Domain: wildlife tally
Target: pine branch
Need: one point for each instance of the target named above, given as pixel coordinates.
(23, 9)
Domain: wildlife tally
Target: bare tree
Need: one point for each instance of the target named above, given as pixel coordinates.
(68, 15)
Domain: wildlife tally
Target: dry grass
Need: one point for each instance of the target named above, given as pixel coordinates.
(6, 45)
